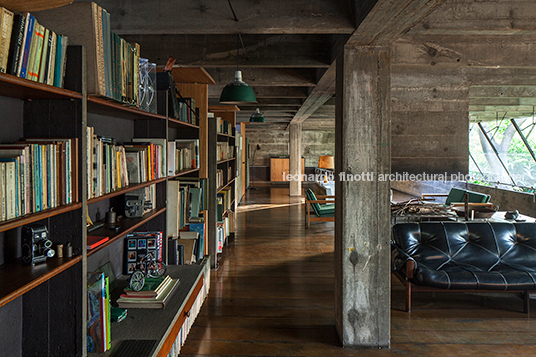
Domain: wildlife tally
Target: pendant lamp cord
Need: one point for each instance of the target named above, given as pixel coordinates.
(232, 10)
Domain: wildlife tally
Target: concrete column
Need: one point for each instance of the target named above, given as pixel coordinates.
(295, 139)
(362, 213)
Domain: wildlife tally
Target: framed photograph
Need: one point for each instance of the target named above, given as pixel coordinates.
(132, 256)
(131, 243)
(142, 243)
(151, 243)
(131, 267)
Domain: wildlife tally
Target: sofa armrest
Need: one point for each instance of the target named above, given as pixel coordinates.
(402, 262)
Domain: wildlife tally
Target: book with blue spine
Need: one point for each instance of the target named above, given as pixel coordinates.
(25, 50)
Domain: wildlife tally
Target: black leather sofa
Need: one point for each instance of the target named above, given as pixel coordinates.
(472, 256)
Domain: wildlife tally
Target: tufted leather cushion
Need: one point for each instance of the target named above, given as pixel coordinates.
(473, 255)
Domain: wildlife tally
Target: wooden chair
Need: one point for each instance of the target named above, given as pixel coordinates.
(318, 208)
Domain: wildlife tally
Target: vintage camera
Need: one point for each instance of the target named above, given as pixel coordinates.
(135, 204)
(36, 247)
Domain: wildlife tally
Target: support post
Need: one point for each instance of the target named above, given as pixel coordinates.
(362, 214)
(212, 240)
(295, 138)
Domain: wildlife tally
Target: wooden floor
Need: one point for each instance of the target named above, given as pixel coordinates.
(273, 296)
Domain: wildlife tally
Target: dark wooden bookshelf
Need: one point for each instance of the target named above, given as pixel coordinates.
(15, 87)
(226, 185)
(124, 190)
(226, 160)
(110, 108)
(182, 173)
(127, 225)
(34, 217)
(17, 279)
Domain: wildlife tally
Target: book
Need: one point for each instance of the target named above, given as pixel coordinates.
(159, 302)
(36, 57)
(44, 55)
(51, 60)
(95, 241)
(95, 317)
(153, 287)
(35, 39)
(26, 44)
(6, 26)
(17, 36)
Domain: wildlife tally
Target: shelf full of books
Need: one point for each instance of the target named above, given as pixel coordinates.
(183, 154)
(112, 167)
(37, 174)
(224, 151)
(113, 63)
(30, 50)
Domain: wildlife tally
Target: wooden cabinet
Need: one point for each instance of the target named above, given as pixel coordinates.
(280, 168)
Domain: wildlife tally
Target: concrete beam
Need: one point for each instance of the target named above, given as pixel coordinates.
(389, 19)
(267, 92)
(480, 18)
(209, 17)
(266, 77)
(323, 91)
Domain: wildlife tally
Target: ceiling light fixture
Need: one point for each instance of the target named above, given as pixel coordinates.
(237, 92)
(257, 117)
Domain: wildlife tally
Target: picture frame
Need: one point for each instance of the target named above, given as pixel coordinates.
(132, 255)
(131, 267)
(151, 243)
(131, 244)
(142, 243)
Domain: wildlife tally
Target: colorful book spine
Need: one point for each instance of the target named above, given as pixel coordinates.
(25, 50)
(44, 56)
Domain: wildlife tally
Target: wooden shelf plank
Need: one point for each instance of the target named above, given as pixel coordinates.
(180, 124)
(124, 190)
(17, 279)
(127, 225)
(34, 217)
(225, 135)
(228, 183)
(182, 173)
(33, 5)
(224, 161)
(223, 108)
(109, 108)
(15, 87)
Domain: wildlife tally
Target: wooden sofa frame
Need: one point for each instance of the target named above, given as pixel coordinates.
(410, 267)
(309, 209)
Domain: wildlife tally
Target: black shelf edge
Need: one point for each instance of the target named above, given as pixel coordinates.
(127, 225)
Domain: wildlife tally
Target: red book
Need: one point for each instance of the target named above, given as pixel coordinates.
(95, 241)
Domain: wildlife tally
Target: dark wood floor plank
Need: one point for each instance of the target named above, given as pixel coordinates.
(273, 295)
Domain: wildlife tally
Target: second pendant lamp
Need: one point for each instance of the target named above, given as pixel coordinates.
(237, 92)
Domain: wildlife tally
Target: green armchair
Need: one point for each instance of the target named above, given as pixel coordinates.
(318, 208)
(457, 195)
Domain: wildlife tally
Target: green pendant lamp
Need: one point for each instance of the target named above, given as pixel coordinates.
(237, 92)
(257, 117)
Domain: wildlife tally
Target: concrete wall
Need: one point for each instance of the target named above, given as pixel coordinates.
(506, 200)
(275, 143)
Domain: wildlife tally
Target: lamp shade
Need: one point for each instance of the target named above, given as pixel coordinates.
(237, 92)
(326, 162)
(257, 117)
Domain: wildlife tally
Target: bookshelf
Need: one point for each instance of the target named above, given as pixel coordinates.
(225, 164)
(44, 307)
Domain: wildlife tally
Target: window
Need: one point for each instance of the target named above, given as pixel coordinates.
(501, 152)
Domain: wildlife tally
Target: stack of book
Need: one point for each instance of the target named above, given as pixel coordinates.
(224, 151)
(112, 63)
(155, 294)
(30, 50)
(37, 174)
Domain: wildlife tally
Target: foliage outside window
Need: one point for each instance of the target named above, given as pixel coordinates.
(501, 153)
